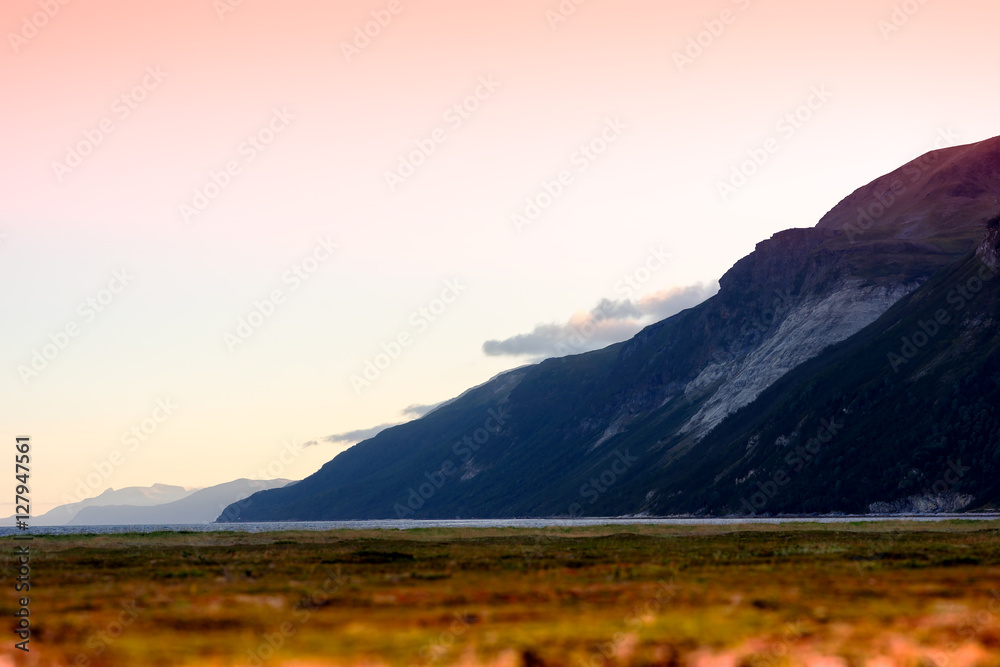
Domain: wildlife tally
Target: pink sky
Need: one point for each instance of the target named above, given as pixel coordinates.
(328, 128)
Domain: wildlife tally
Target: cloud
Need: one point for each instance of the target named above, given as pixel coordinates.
(351, 437)
(420, 410)
(611, 321)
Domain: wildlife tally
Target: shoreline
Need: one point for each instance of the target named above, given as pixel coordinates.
(418, 524)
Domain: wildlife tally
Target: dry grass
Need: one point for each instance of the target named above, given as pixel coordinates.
(823, 594)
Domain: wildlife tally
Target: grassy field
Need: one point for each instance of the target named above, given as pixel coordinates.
(811, 594)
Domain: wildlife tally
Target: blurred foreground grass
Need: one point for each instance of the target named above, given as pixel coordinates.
(880, 594)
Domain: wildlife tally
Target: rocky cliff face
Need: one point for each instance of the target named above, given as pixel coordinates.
(875, 247)
(989, 249)
(928, 503)
(811, 324)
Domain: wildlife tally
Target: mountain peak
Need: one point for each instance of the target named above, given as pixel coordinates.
(944, 196)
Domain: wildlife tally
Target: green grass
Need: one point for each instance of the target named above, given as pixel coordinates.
(644, 595)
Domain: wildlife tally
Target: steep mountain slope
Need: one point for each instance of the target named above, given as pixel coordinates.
(616, 430)
(904, 416)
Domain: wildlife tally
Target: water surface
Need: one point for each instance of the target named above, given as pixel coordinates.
(409, 524)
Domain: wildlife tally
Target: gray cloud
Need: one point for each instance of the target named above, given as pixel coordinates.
(350, 437)
(611, 321)
(420, 410)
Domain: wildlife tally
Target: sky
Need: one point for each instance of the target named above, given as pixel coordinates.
(236, 236)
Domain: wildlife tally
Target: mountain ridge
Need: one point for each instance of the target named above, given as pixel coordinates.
(134, 495)
(571, 422)
(202, 506)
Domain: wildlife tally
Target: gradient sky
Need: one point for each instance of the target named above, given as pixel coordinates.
(329, 127)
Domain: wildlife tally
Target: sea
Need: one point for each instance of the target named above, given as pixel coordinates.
(412, 524)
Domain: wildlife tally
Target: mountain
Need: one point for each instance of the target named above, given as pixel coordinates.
(902, 417)
(695, 411)
(133, 495)
(202, 506)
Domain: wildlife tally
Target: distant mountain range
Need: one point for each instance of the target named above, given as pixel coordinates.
(157, 504)
(849, 367)
(140, 496)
